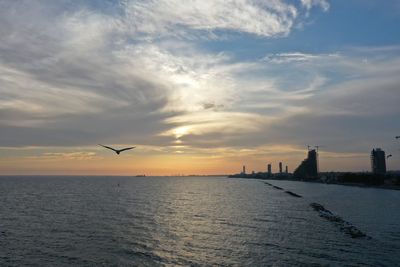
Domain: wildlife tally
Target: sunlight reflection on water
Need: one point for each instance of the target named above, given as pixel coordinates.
(151, 221)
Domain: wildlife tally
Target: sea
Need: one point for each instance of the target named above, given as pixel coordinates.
(192, 221)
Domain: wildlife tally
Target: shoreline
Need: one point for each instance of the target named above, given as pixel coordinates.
(386, 187)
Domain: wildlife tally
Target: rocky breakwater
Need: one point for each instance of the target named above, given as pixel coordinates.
(344, 226)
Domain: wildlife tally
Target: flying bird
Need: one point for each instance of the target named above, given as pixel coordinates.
(388, 156)
(117, 150)
(397, 137)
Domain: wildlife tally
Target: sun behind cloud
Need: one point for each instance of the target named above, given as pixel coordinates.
(200, 83)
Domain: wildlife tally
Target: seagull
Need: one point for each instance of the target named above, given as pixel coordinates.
(388, 156)
(117, 150)
(397, 137)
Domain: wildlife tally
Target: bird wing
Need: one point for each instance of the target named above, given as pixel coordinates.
(127, 148)
(108, 147)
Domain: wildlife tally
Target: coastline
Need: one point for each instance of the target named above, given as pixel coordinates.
(384, 186)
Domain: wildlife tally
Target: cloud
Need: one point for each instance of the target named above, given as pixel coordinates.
(210, 105)
(343, 103)
(76, 74)
(297, 57)
(263, 18)
(80, 155)
(351, 107)
(308, 4)
(66, 84)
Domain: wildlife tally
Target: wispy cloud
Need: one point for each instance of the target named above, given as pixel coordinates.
(308, 4)
(263, 18)
(297, 57)
(81, 155)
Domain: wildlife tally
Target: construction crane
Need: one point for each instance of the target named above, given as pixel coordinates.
(317, 147)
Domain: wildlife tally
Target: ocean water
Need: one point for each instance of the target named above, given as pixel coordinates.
(191, 221)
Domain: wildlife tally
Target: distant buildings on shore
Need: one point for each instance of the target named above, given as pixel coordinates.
(265, 175)
(308, 170)
(244, 169)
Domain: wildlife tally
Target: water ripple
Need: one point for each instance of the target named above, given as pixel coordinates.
(176, 221)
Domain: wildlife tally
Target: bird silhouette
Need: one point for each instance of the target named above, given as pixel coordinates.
(397, 137)
(388, 156)
(117, 150)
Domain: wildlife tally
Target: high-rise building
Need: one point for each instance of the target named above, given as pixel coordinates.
(269, 169)
(313, 162)
(244, 169)
(286, 169)
(280, 167)
(308, 169)
(378, 161)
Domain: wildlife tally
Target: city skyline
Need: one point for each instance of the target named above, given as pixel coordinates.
(200, 88)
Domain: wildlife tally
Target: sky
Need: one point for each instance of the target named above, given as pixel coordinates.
(199, 87)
